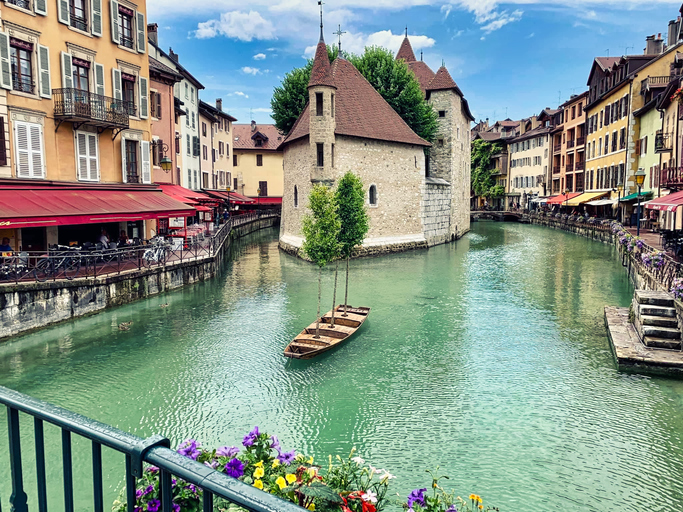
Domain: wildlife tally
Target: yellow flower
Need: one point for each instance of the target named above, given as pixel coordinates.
(259, 464)
(299, 457)
(481, 507)
(258, 484)
(291, 478)
(311, 472)
(479, 499)
(473, 497)
(281, 482)
(311, 507)
(259, 472)
(276, 463)
(310, 459)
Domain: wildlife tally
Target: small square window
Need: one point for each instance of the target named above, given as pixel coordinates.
(440, 142)
(442, 113)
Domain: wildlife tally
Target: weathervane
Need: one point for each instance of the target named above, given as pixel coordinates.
(339, 33)
(406, 30)
(320, 3)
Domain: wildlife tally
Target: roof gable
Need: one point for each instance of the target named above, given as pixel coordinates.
(442, 80)
(405, 52)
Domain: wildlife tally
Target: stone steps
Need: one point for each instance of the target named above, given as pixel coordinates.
(659, 321)
(653, 342)
(656, 319)
(653, 298)
(657, 311)
(661, 332)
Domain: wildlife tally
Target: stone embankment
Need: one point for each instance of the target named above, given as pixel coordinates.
(25, 306)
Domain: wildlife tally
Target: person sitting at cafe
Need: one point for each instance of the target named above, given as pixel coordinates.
(123, 238)
(104, 238)
(5, 247)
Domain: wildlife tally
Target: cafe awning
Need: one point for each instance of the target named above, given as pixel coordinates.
(562, 198)
(233, 197)
(24, 206)
(539, 200)
(602, 202)
(585, 197)
(644, 196)
(668, 203)
(185, 195)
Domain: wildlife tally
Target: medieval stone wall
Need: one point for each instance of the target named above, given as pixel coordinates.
(436, 211)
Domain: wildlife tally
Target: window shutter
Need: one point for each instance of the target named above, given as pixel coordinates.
(99, 79)
(22, 154)
(144, 98)
(123, 160)
(5, 73)
(44, 75)
(93, 160)
(114, 15)
(96, 28)
(638, 145)
(67, 71)
(29, 145)
(116, 83)
(82, 156)
(40, 7)
(157, 98)
(3, 143)
(63, 13)
(142, 35)
(144, 158)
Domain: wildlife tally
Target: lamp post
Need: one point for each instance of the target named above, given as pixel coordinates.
(640, 179)
(566, 199)
(228, 190)
(620, 189)
(165, 163)
(258, 199)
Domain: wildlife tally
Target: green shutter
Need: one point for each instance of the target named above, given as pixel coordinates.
(114, 11)
(96, 28)
(44, 85)
(5, 69)
(141, 32)
(99, 79)
(40, 7)
(67, 71)
(144, 98)
(63, 12)
(116, 84)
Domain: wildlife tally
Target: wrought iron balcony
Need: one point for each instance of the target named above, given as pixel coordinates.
(570, 143)
(580, 141)
(127, 42)
(663, 142)
(85, 108)
(580, 166)
(556, 169)
(79, 22)
(672, 177)
(22, 84)
(557, 148)
(24, 4)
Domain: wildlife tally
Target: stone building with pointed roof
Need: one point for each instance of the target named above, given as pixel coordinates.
(413, 200)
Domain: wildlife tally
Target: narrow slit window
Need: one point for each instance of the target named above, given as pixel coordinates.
(332, 156)
(332, 106)
(321, 156)
(296, 196)
(372, 195)
(442, 113)
(318, 104)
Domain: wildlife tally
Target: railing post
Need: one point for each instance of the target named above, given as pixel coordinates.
(40, 463)
(18, 497)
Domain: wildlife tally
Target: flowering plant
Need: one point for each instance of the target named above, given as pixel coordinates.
(677, 288)
(441, 500)
(657, 259)
(678, 95)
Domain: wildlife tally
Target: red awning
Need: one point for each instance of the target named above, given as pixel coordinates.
(668, 203)
(562, 198)
(201, 208)
(185, 195)
(233, 197)
(268, 200)
(22, 207)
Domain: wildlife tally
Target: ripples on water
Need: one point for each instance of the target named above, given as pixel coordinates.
(487, 357)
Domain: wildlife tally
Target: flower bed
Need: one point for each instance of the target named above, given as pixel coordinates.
(345, 485)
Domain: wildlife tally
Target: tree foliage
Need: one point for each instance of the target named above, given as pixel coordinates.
(483, 182)
(391, 78)
(321, 227)
(352, 213)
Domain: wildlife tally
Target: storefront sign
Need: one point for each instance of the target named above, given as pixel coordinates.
(5, 222)
(176, 222)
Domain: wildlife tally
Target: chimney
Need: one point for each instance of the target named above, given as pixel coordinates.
(174, 56)
(659, 44)
(650, 45)
(253, 126)
(152, 33)
(534, 122)
(674, 26)
(219, 104)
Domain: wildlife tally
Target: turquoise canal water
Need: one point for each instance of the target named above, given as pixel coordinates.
(487, 357)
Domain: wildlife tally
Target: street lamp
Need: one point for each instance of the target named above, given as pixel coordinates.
(258, 199)
(620, 189)
(165, 163)
(640, 179)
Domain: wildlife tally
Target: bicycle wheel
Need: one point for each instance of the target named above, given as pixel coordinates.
(43, 270)
(72, 268)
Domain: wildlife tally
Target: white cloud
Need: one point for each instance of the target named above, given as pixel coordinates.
(238, 93)
(356, 42)
(251, 71)
(237, 25)
(259, 56)
(446, 8)
(498, 20)
(262, 109)
(531, 35)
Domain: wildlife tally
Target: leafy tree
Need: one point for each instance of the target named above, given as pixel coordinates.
(321, 234)
(391, 78)
(483, 182)
(354, 225)
(290, 98)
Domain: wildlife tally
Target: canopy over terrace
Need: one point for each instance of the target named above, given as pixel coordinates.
(562, 198)
(187, 196)
(634, 197)
(31, 205)
(585, 197)
(668, 203)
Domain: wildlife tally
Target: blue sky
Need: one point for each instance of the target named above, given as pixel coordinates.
(509, 59)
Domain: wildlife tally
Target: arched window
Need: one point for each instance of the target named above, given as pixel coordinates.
(372, 195)
(296, 197)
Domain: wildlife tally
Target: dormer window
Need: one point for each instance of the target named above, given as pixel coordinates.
(258, 143)
(318, 104)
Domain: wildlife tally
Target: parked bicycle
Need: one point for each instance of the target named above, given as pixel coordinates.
(64, 262)
(156, 253)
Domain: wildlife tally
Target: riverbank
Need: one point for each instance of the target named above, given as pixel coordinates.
(31, 305)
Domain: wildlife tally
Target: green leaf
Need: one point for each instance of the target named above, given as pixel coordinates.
(317, 489)
(321, 227)
(352, 213)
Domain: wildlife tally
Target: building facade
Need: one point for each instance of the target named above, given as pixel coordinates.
(162, 115)
(529, 155)
(569, 142)
(258, 162)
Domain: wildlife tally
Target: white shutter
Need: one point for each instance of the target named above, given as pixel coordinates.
(40, 7)
(5, 68)
(67, 71)
(114, 11)
(93, 157)
(82, 156)
(63, 13)
(44, 78)
(99, 79)
(123, 160)
(144, 158)
(96, 28)
(142, 37)
(23, 156)
(144, 98)
(36, 148)
(116, 84)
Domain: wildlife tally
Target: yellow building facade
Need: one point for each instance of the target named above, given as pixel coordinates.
(257, 162)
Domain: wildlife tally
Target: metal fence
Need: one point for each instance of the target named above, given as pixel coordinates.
(67, 263)
(154, 450)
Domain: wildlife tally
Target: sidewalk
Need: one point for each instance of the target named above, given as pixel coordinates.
(650, 238)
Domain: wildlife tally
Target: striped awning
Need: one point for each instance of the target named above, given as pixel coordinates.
(585, 197)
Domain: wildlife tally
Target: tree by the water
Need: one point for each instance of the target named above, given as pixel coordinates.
(355, 224)
(483, 182)
(391, 79)
(321, 234)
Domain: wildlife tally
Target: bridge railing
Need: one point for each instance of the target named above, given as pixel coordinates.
(154, 450)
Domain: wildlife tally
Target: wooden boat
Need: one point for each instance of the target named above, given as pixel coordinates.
(307, 346)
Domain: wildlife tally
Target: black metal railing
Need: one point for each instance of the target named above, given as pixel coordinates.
(570, 143)
(23, 84)
(79, 22)
(24, 4)
(128, 42)
(154, 450)
(663, 142)
(95, 260)
(86, 106)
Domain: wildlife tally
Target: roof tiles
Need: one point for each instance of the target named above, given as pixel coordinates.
(405, 52)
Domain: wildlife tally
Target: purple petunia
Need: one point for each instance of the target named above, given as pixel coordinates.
(138, 494)
(137, 509)
(152, 469)
(213, 464)
(275, 443)
(189, 448)
(234, 468)
(287, 457)
(153, 505)
(416, 496)
(148, 490)
(251, 437)
(224, 451)
(452, 509)
(176, 507)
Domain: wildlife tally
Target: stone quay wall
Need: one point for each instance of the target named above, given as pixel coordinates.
(27, 306)
(436, 212)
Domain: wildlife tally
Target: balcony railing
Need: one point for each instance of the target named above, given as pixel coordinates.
(24, 4)
(127, 42)
(557, 148)
(570, 167)
(580, 141)
(556, 169)
(22, 84)
(663, 142)
(580, 166)
(570, 143)
(655, 81)
(672, 177)
(85, 107)
(79, 22)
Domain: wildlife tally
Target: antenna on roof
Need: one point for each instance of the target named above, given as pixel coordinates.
(320, 3)
(626, 49)
(607, 50)
(339, 34)
(443, 63)
(420, 54)
(406, 30)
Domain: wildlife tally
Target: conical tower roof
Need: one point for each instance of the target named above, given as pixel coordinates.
(320, 74)
(442, 80)
(405, 52)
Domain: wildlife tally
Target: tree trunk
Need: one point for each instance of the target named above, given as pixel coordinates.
(346, 291)
(334, 294)
(320, 278)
